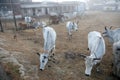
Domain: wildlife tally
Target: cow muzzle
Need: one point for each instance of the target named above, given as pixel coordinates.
(87, 75)
(41, 69)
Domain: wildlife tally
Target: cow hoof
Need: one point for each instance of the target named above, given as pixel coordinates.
(99, 71)
(49, 66)
(87, 75)
(53, 61)
(49, 59)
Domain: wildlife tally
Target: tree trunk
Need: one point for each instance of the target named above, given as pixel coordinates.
(1, 26)
(11, 1)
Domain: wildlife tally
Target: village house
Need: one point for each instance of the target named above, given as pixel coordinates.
(28, 8)
(45, 8)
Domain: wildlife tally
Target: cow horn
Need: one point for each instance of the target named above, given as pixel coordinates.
(82, 55)
(105, 28)
(111, 27)
(96, 58)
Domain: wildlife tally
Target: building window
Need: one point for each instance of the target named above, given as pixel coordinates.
(39, 10)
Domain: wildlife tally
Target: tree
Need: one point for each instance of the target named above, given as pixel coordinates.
(1, 26)
(11, 1)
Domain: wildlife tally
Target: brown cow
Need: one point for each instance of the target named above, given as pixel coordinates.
(22, 26)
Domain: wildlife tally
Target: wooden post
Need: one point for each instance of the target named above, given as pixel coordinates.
(13, 15)
(1, 26)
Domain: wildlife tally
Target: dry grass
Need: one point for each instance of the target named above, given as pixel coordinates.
(30, 42)
(12, 71)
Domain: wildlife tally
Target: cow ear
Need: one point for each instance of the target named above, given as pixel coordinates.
(38, 54)
(82, 55)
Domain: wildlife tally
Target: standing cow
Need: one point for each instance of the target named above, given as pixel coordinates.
(116, 58)
(28, 20)
(71, 26)
(96, 46)
(49, 36)
(113, 35)
(36, 24)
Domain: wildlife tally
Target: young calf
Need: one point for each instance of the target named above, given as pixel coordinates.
(28, 20)
(22, 26)
(96, 46)
(71, 26)
(49, 36)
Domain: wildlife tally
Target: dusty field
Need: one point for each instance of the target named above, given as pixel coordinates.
(69, 65)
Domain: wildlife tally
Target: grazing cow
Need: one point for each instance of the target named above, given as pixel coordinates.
(96, 46)
(113, 35)
(36, 24)
(43, 24)
(49, 36)
(71, 26)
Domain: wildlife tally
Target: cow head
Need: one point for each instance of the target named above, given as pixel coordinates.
(43, 60)
(43, 24)
(108, 33)
(89, 63)
(75, 26)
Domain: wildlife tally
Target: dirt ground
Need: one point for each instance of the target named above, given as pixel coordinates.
(69, 65)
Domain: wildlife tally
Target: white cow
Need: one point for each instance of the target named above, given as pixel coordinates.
(36, 24)
(75, 14)
(71, 26)
(113, 35)
(96, 46)
(49, 36)
(28, 20)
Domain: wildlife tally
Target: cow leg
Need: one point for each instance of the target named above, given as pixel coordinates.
(53, 51)
(52, 58)
(98, 68)
(70, 37)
